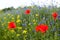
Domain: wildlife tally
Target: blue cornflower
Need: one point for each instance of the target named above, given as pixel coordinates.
(24, 24)
(58, 17)
(49, 7)
(51, 23)
(25, 8)
(39, 7)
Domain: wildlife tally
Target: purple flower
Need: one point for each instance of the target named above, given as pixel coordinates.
(24, 24)
(49, 6)
(58, 17)
(39, 7)
(51, 23)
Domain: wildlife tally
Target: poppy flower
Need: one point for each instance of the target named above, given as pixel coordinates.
(55, 14)
(11, 25)
(42, 28)
(27, 11)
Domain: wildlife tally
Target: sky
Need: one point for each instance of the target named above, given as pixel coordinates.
(22, 3)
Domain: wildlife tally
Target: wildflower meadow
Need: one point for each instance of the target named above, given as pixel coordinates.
(30, 23)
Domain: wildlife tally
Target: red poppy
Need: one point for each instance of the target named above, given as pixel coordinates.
(27, 11)
(55, 14)
(42, 28)
(11, 25)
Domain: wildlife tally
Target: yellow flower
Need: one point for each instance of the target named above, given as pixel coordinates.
(18, 35)
(34, 20)
(29, 24)
(4, 17)
(12, 17)
(18, 16)
(18, 21)
(12, 31)
(37, 15)
(3, 24)
(25, 31)
(8, 14)
(19, 28)
(35, 23)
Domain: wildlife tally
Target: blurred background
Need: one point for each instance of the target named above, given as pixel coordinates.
(17, 3)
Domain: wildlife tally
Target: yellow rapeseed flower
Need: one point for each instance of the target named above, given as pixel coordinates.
(25, 31)
(34, 20)
(18, 16)
(37, 15)
(35, 23)
(2, 24)
(29, 24)
(18, 21)
(8, 14)
(4, 17)
(17, 35)
(12, 31)
(12, 17)
(19, 28)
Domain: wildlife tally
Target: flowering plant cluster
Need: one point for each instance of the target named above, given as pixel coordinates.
(30, 24)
